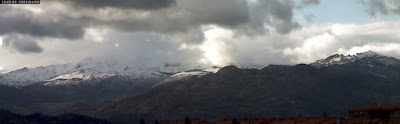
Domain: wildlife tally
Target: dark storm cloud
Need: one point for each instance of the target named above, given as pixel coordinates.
(125, 4)
(382, 6)
(25, 22)
(250, 19)
(277, 13)
(177, 18)
(184, 19)
(237, 15)
(188, 14)
(223, 12)
(181, 19)
(21, 44)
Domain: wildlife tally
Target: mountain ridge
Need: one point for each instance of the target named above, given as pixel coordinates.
(273, 91)
(339, 59)
(88, 70)
(91, 69)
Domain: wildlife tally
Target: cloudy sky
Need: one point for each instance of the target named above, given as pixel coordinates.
(213, 32)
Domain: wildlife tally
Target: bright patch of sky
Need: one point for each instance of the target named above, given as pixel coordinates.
(252, 1)
(340, 11)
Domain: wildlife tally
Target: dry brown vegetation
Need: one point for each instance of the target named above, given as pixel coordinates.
(300, 120)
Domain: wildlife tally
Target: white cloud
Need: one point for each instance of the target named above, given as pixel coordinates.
(389, 49)
(1, 42)
(116, 45)
(95, 34)
(215, 47)
(314, 47)
(306, 45)
(346, 39)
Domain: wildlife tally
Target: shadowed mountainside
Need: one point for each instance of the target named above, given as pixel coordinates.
(274, 91)
(67, 98)
(7, 117)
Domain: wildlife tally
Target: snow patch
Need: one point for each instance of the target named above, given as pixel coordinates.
(187, 75)
(342, 59)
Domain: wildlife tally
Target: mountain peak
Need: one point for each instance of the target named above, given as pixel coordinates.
(340, 59)
(367, 54)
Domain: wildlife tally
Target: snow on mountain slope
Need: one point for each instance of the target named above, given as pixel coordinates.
(26, 76)
(88, 69)
(334, 60)
(91, 69)
(4, 71)
(342, 59)
(187, 74)
(75, 78)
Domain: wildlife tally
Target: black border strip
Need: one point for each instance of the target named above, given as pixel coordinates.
(19, 1)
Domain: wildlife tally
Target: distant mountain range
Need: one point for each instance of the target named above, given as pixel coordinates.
(91, 70)
(124, 94)
(59, 88)
(330, 85)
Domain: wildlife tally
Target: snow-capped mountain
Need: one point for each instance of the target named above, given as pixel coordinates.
(89, 69)
(26, 76)
(188, 74)
(340, 59)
